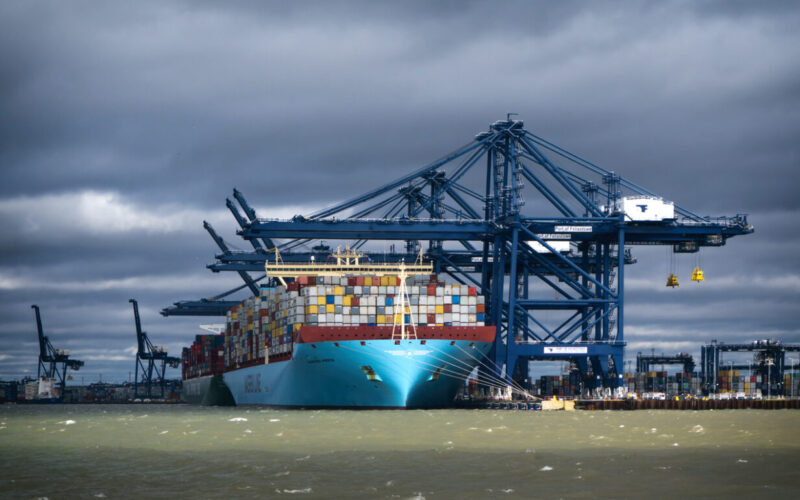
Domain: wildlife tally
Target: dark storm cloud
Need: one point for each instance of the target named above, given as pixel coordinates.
(123, 126)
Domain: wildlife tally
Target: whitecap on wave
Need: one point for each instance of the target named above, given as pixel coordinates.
(304, 490)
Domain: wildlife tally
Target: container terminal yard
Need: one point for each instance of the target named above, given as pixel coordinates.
(550, 285)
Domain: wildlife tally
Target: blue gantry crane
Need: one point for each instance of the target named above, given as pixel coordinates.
(645, 361)
(50, 359)
(553, 273)
(151, 362)
(769, 363)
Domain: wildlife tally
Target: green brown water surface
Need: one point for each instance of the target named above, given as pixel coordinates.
(139, 451)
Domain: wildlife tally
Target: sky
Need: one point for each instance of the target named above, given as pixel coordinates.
(124, 125)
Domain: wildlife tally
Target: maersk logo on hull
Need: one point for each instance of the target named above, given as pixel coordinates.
(252, 383)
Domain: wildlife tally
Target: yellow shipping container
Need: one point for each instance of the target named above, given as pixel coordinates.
(368, 281)
(297, 326)
(311, 309)
(320, 300)
(381, 319)
(398, 318)
(338, 290)
(330, 308)
(346, 300)
(439, 309)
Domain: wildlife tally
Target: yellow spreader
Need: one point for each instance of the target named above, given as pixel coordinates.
(672, 280)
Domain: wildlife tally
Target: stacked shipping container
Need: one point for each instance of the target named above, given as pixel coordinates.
(265, 326)
(203, 357)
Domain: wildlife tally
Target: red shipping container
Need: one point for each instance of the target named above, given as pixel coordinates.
(359, 281)
(354, 302)
(312, 281)
(431, 319)
(431, 289)
(473, 290)
(448, 308)
(293, 286)
(303, 280)
(351, 281)
(480, 308)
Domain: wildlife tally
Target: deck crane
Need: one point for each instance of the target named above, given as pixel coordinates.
(553, 275)
(149, 359)
(50, 358)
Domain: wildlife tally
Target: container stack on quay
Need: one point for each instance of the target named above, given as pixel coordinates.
(732, 381)
(266, 326)
(661, 382)
(791, 382)
(555, 385)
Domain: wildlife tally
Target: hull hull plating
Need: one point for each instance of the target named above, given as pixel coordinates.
(378, 373)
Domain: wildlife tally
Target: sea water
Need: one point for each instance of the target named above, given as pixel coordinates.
(177, 451)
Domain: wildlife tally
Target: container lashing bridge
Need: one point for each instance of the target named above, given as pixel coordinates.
(554, 281)
(151, 362)
(51, 359)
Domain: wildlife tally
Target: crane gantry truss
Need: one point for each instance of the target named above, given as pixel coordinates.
(547, 300)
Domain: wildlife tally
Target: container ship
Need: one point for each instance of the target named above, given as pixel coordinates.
(343, 334)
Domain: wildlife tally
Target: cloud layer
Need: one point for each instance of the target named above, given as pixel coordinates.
(122, 128)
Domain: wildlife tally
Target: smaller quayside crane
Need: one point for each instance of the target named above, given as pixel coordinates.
(149, 358)
(50, 358)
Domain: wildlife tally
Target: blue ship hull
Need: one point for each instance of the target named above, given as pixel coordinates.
(379, 373)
